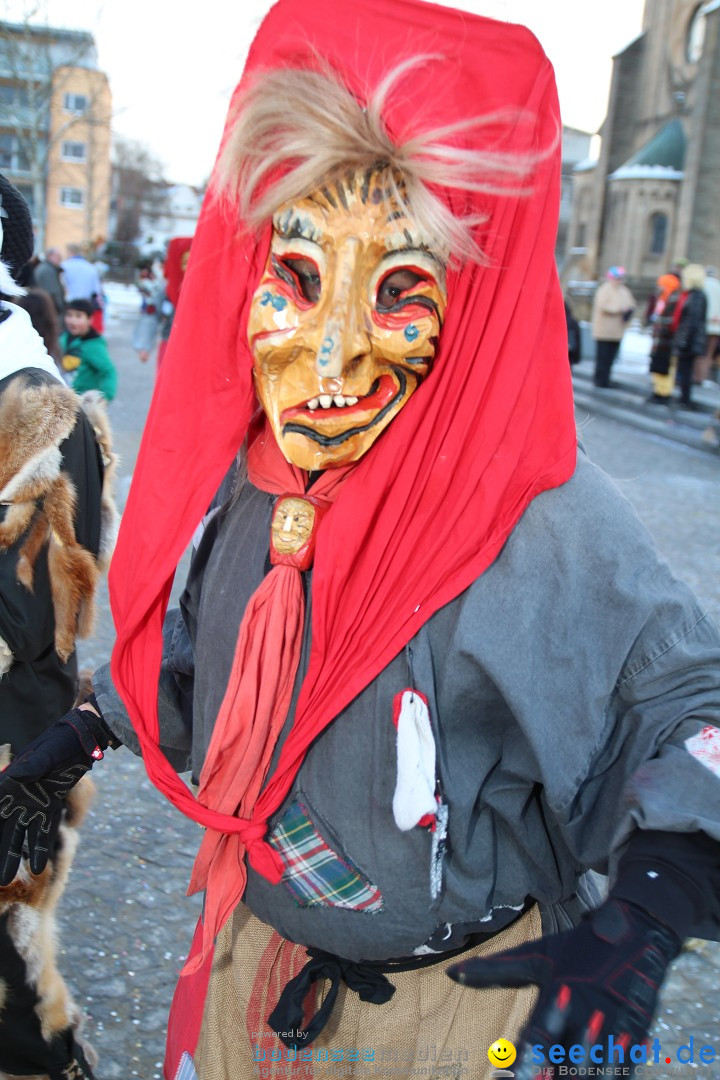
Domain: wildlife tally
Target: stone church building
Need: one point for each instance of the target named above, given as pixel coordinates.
(653, 196)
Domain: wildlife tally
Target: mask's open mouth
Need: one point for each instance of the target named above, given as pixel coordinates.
(384, 394)
(336, 406)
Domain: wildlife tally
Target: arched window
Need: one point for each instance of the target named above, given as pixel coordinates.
(658, 233)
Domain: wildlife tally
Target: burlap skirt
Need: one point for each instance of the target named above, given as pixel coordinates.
(431, 1027)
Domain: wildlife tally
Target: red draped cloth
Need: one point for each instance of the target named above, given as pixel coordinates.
(428, 509)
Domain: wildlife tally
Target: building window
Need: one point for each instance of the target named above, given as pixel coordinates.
(580, 235)
(11, 155)
(72, 196)
(13, 95)
(75, 103)
(73, 151)
(658, 233)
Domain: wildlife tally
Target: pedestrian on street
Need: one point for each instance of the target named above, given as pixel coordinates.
(428, 669)
(688, 326)
(56, 533)
(85, 356)
(152, 293)
(706, 365)
(49, 276)
(613, 305)
(663, 364)
(41, 309)
(82, 281)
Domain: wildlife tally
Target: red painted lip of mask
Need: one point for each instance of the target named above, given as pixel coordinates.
(386, 389)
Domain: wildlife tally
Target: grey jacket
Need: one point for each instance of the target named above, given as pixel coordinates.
(562, 686)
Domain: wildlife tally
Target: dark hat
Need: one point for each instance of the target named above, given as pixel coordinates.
(79, 305)
(16, 223)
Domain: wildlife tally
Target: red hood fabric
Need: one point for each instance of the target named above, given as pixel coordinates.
(173, 269)
(431, 505)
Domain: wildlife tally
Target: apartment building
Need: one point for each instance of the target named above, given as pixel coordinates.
(55, 114)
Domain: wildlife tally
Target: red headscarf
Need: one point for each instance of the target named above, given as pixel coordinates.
(174, 266)
(428, 509)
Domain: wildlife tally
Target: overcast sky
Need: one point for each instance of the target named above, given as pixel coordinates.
(172, 67)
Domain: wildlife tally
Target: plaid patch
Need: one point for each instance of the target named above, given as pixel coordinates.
(314, 874)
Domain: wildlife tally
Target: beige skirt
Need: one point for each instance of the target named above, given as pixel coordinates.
(431, 1027)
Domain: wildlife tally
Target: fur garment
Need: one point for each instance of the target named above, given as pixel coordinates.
(31, 903)
(41, 499)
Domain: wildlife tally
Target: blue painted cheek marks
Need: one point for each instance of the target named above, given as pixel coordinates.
(279, 303)
(411, 332)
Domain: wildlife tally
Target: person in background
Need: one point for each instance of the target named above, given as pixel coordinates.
(663, 364)
(688, 327)
(573, 332)
(152, 292)
(57, 526)
(40, 307)
(613, 305)
(85, 352)
(176, 262)
(83, 282)
(705, 365)
(49, 276)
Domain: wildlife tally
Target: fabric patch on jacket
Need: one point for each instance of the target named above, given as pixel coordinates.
(315, 875)
(705, 747)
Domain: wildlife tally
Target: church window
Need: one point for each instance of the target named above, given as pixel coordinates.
(658, 233)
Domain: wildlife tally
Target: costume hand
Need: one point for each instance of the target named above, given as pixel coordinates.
(598, 980)
(35, 785)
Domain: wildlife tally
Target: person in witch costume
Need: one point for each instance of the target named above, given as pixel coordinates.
(417, 704)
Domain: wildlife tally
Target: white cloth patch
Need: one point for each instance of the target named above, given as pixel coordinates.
(186, 1068)
(415, 788)
(705, 746)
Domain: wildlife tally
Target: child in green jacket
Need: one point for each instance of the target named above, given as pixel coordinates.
(85, 351)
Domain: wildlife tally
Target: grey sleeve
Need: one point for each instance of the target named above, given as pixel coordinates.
(644, 773)
(677, 692)
(174, 697)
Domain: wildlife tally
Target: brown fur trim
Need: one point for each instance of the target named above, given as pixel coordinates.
(18, 517)
(34, 420)
(37, 538)
(73, 571)
(32, 926)
(95, 408)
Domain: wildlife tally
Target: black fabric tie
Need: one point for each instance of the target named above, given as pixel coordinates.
(364, 978)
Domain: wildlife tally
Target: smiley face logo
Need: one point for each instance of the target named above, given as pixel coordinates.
(502, 1053)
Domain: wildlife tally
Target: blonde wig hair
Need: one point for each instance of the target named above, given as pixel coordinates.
(307, 129)
(693, 276)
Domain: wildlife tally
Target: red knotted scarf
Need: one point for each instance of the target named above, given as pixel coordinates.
(427, 510)
(255, 705)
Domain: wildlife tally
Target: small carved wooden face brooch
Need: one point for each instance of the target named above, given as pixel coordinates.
(293, 530)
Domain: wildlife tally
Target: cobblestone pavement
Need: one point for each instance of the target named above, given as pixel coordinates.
(125, 922)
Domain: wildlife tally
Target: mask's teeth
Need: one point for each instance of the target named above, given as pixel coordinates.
(313, 403)
(325, 400)
(351, 401)
(339, 401)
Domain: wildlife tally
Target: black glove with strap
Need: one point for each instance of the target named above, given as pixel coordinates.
(602, 978)
(35, 784)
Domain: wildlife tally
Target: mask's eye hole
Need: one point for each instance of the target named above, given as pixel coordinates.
(394, 285)
(305, 277)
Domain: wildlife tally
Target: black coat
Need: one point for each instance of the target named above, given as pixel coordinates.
(39, 687)
(690, 337)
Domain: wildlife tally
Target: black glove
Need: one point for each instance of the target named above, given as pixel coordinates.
(598, 980)
(35, 784)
